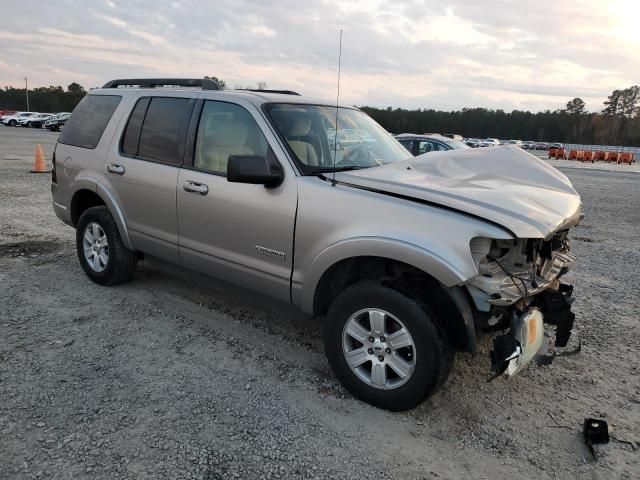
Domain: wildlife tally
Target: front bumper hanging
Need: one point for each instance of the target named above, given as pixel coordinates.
(526, 338)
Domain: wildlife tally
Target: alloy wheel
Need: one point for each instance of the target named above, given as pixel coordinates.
(379, 349)
(96, 247)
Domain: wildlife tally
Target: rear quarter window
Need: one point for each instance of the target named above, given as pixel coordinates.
(88, 121)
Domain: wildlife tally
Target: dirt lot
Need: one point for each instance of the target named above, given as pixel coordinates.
(171, 377)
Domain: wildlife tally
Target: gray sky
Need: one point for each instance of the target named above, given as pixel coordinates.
(506, 54)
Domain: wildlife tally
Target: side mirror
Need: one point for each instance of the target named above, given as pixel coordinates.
(255, 170)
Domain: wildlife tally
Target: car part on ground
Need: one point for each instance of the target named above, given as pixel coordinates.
(595, 431)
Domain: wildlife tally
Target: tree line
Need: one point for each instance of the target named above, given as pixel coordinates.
(42, 99)
(618, 123)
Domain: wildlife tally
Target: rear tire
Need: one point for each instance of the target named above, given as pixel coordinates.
(377, 373)
(12, 123)
(102, 254)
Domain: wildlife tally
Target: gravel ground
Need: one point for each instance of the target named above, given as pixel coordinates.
(177, 376)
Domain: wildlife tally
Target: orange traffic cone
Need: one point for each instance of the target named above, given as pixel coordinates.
(40, 166)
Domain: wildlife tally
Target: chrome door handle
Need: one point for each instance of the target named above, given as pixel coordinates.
(195, 187)
(117, 169)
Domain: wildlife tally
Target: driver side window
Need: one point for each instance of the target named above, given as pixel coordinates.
(226, 129)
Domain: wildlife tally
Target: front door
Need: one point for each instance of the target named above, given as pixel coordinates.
(237, 232)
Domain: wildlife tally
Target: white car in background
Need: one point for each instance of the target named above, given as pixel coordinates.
(491, 142)
(36, 120)
(12, 120)
(517, 143)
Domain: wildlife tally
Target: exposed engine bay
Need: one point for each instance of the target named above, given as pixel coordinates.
(519, 289)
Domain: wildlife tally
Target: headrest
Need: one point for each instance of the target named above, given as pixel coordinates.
(292, 122)
(226, 134)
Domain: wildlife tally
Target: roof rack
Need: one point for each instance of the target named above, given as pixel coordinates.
(258, 90)
(204, 83)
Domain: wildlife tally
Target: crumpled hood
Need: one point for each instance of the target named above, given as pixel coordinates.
(505, 185)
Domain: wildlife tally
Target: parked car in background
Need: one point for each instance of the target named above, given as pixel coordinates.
(491, 142)
(36, 120)
(541, 146)
(56, 123)
(12, 120)
(555, 145)
(453, 136)
(472, 142)
(6, 113)
(528, 145)
(347, 137)
(419, 144)
(513, 142)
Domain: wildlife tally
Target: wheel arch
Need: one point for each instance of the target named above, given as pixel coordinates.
(450, 305)
(90, 195)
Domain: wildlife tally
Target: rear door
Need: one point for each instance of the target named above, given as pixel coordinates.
(238, 232)
(143, 171)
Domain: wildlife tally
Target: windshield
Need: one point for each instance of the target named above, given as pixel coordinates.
(310, 132)
(455, 144)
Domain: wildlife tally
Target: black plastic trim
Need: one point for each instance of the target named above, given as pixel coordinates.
(192, 131)
(203, 83)
(283, 92)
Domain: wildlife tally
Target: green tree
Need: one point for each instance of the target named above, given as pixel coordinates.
(612, 104)
(221, 83)
(76, 89)
(575, 106)
(629, 101)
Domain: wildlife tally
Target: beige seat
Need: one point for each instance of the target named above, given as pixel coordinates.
(296, 124)
(220, 138)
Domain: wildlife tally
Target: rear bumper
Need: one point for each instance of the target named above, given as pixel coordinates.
(61, 211)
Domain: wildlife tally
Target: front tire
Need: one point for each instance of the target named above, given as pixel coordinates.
(102, 254)
(12, 123)
(386, 347)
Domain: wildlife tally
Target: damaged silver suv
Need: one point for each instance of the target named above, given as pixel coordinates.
(406, 258)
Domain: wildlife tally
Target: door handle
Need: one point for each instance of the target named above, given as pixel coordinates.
(195, 187)
(117, 169)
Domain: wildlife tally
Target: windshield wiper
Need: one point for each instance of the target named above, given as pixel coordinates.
(346, 168)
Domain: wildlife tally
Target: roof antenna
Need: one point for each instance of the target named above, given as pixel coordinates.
(335, 137)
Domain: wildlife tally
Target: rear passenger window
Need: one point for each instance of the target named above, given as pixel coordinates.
(85, 127)
(164, 129)
(226, 129)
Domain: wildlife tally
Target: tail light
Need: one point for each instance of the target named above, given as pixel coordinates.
(54, 178)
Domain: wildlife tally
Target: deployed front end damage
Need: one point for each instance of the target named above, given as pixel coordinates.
(518, 290)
